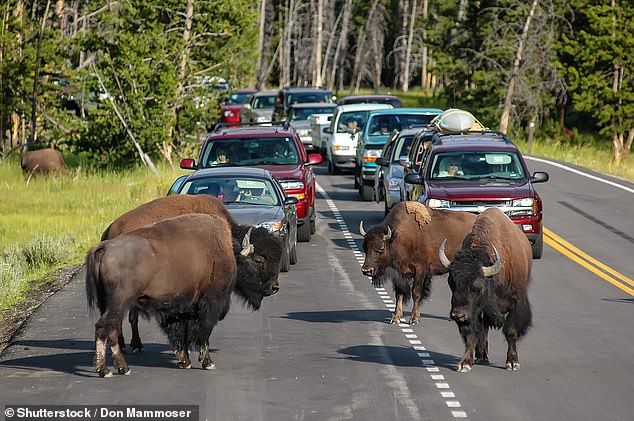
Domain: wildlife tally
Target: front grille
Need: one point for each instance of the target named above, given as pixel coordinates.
(480, 203)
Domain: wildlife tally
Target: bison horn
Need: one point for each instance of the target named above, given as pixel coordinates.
(495, 267)
(442, 256)
(247, 247)
(361, 230)
(389, 234)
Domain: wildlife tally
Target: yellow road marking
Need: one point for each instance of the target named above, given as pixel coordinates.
(578, 256)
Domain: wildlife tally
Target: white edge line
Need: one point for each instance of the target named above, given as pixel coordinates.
(572, 170)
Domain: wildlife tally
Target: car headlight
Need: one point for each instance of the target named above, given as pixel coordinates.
(523, 203)
(437, 203)
(292, 184)
(271, 226)
(372, 153)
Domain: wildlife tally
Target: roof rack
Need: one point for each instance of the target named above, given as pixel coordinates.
(437, 137)
(283, 124)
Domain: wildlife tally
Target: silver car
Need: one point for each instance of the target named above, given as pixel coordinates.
(388, 179)
(298, 115)
(259, 109)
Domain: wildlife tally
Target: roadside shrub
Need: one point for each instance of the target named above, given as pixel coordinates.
(12, 266)
(45, 250)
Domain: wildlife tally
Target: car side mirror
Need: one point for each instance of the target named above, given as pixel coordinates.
(539, 177)
(383, 162)
(413, 179)
(291, 200)
(247, 106)
(404, 162)
(188, 164)
(314, 159)
(327, 130)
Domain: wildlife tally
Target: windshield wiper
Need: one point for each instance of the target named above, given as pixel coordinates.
(495, 177)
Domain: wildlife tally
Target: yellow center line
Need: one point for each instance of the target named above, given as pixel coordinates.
(578, 256)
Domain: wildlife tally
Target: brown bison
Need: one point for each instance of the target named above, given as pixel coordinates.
(489, 279)
(180, 271)
(43, 161)
(267, 250)
(403, 249)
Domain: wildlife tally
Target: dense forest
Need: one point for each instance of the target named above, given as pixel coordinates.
(123, 81)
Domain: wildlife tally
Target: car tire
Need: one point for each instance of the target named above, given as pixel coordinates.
(538, 246)
(366, 193)
(313, 221)
(386, 209)
(293, 255)
(285, 262)
(303, 232)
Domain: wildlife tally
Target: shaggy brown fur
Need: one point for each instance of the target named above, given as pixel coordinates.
(409, 258)
(43, 161)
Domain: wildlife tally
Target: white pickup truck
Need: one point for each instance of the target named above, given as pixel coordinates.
(339, 138)
(318, 122)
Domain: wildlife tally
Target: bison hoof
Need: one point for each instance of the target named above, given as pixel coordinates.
(104, 373)
(464, 368)
(185, 365)
(124, 371)
(210, 366)
(414, 321)
(514, 366)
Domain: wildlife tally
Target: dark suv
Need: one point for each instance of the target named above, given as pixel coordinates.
(276, 148)
(289, 96)
(472, 171)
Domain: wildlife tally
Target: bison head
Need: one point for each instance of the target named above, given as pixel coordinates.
(376, 246)
(470, 282)
(258, 257)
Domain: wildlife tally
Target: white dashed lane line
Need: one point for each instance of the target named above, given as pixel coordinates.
(427, 362)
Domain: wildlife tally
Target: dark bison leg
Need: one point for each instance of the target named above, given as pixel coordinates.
(177, 333)
(517, 323)
(420, 292)
(121, 339)
(107, 329)
(204, 358)
(135, 343)
(471, 334)
(210, 309)
(482, 347)
(398, 310)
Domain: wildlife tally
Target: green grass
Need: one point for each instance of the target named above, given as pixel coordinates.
(52, 222)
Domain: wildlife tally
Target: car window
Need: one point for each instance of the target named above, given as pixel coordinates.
(250, 151)
(298, 114)
(237, 99)
(264, 101)
(401, 150)
(352, 120)
(305, 97)
(380, 125)
(477, 164)
(229, 189)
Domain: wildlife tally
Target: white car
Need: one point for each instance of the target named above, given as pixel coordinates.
(342, 135)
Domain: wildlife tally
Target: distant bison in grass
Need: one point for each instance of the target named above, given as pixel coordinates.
(43, 161)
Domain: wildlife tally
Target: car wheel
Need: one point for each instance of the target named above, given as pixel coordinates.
(386, 208)
(285, 262)
(538, 246)
(293, 255)
(366, 193)
(303, 232)
(331, 170)
(313, 221)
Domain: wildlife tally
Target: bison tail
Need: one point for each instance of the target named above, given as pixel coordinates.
(94, 289)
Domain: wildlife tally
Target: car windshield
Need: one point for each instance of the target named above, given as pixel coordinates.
(305, 97)
(469, 165)
(250, 151)
(234, 189)
(298, 114)
(352, 120)
(382, 125)
(237, 98)
(264, 101)
(403, 145)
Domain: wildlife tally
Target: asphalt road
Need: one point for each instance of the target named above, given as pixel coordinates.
(321, 348)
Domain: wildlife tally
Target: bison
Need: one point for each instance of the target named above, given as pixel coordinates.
(403, 249)
(43, 161)
(267, 250)
(181, 271)
(489, 279)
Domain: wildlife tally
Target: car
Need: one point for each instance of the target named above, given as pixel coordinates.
(252, 197)
(339, 140)
(388, 179)
(299, 117)
(412, 163)
(259, 108)
(475, 170)
(276, 148)
(232, 104)
(289, 96)
(374, 135)
(392, 100)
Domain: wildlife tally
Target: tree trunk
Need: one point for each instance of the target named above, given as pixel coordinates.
(318, 42)
(260, 63)
(508, 102)
(361, 54)
(423, 79)
(341, 43)
(32, 135)
(331, 39)
(410, 39)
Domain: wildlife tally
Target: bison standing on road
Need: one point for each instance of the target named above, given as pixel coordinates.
(42, 161)
(181, 271)
(403, 249)
(489, 278)
(267, 250)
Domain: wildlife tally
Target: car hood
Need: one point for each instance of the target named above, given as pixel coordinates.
(480, 189)
(254, 214)
(267, 112)
(301, 124)
(377, 140)
(283, 171)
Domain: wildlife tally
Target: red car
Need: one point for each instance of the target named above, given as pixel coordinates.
(274, 148)
(472, 171)
(232, 104)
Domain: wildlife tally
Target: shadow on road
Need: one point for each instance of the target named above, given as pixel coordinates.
(395, 356)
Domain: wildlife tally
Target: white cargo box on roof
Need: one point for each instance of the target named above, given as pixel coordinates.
(456, 120)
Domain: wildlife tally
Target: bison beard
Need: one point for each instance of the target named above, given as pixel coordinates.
(402, 285)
